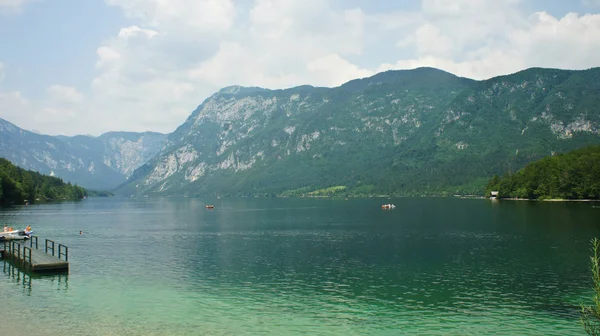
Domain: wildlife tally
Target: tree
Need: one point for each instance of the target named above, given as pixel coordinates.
(573, 175)
(18, 185)
(493, 184)
(27, 185)
(590, 315)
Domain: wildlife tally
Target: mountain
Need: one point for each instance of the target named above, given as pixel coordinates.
(101, 163)
(422, 131)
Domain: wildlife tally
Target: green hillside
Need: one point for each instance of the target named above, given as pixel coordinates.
(574, 175)
(18, 186)
(410, 132)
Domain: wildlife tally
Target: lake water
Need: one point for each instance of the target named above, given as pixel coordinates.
(432, 266)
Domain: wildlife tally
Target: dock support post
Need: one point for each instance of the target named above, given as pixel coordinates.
(16, 246)
(26, 256)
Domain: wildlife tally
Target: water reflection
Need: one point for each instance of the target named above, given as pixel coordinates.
(18, 277)
(27, 280)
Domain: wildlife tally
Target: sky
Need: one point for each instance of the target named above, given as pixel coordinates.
(92, 66)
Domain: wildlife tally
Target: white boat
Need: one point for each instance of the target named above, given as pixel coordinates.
(15, 235)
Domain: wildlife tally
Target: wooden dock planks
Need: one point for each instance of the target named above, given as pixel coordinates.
(41, 261)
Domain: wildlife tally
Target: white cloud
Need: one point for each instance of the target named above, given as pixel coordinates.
(64, 94)
(537, 40)
(569, 42)
(62, 107)
(214, 15)
(151, 75)
(106, 55)
(336, 69)
(12, 6)
(56, 116)
(135, 31)
(15, 108)
(12, 3)
(465, 8)
(429, 40)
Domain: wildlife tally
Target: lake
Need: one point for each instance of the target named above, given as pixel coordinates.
(432, 266)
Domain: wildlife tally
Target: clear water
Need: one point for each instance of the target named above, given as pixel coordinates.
(305, 266)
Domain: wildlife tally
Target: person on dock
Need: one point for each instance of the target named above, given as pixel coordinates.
(5, 228)
(28, 229)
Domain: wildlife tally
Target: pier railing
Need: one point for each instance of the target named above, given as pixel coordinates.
(63, 251)
(49, 245)
(33, 240)
(17, 252)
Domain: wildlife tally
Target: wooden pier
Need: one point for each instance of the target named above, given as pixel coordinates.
(34, 259)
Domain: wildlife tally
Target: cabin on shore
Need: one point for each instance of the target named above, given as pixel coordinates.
(494, 194)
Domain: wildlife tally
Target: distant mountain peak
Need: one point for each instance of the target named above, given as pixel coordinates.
(419, 78)
(237, 89)
(94, 162)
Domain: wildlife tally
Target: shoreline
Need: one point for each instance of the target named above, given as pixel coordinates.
(547, 200)
(388, 196)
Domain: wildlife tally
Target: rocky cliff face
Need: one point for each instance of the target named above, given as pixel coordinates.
(93, 162)
(399, 132)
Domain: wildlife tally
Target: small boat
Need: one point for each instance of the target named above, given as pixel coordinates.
(210, 206)
(387, 206)
(15, 235)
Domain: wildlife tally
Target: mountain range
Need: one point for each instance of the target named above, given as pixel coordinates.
(100, 163)
(408, 132)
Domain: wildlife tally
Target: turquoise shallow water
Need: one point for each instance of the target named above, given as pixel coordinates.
(305, 266)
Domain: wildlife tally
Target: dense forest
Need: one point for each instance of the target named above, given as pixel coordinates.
(18, 186)
(99, 193)
(574, 175)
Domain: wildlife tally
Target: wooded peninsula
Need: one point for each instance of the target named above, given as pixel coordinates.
(19, 186)
(573, 175)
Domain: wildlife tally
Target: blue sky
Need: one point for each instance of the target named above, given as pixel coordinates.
(87, 67)
(53, 40)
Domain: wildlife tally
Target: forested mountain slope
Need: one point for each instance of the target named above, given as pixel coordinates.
(422, 131)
